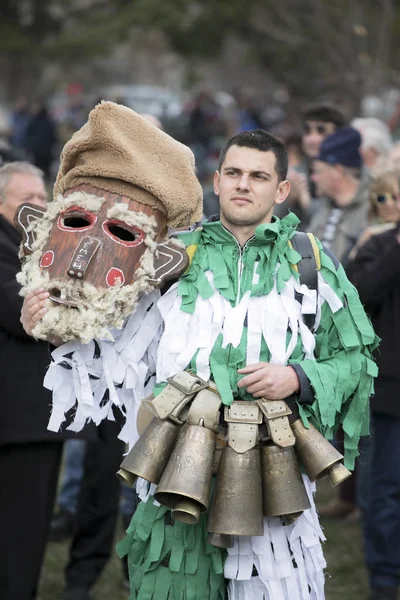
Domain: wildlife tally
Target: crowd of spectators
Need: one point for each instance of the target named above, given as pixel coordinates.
(345, 189)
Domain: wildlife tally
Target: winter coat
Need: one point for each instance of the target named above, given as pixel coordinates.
(375, 272)
(352, 222)
(25, 403)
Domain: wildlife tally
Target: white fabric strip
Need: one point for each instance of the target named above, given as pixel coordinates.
(80, 378)
(268, 317)
(288, 559)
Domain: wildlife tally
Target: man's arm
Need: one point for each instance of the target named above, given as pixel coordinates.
(342, 374)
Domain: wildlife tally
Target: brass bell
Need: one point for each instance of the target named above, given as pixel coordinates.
(187, 511)
(290, 519)
(127, 477)
(187, 476)
(338, 473)
(283, 487)
(236, 507)
(220, 442)
(220, 540)
(316, 454)
(150, 454)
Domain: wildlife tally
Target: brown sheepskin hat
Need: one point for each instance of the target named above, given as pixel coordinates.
(119, 151)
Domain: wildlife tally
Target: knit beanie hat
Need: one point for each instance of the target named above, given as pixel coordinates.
(120, 152)
(342, 148)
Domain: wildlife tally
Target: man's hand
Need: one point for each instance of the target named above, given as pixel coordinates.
(33, 309)
(299, 193)
(271, 381)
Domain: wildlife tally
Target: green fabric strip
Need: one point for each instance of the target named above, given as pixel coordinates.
(174, 562)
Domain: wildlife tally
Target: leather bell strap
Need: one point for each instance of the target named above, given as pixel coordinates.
(243, 418)
(276, 414)
(205, 410)
(179, 391)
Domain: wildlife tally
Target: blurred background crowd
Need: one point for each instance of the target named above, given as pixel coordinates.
(320, 75)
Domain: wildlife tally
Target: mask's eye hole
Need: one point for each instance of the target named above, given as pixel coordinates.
(121, 233)
(76, 219)
(124, 234)
(75, 222)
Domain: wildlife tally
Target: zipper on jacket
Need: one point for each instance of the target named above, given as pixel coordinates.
(241, 250)
(240, 271)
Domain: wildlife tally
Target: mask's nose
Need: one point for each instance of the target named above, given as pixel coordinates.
(83, 255)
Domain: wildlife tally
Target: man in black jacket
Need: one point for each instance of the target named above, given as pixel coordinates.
(29, 454)
(376, 274)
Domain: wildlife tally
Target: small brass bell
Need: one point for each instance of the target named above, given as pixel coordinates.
(338, 473)
(316, 454)
(187, 511)
(150, 454)
(283, 487)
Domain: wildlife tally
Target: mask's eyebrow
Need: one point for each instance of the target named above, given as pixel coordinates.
(123, 212)
(89, 202)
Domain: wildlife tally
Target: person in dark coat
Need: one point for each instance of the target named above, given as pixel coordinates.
(40, 139)
(375, 272)
(29, 454)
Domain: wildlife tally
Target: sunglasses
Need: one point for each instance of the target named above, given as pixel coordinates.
(384, 198)
(320, 129)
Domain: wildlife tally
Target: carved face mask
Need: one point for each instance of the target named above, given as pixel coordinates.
(96, 253)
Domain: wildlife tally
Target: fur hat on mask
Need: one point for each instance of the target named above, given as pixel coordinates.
(119, 151)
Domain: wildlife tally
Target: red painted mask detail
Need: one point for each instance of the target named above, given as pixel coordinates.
(76, 219)
(122, 233)
(47, 259)
(115, 276)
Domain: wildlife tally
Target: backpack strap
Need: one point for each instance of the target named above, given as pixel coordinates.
(308, 267)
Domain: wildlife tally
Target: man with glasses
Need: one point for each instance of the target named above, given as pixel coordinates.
(318, 122)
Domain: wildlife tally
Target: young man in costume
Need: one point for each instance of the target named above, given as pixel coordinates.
(237, 319)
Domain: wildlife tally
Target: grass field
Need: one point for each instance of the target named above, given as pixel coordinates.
(346, 578)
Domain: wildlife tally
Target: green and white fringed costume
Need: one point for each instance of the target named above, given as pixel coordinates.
(233, 307)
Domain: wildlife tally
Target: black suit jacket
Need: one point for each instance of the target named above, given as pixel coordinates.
(25, 403)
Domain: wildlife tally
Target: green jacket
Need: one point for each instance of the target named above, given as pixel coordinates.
(341, 376)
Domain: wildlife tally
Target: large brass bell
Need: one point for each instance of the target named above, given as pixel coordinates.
(220, 540)
(283, 487)
(186, 482)
(317, 455)
(149, 456)
(236, 508)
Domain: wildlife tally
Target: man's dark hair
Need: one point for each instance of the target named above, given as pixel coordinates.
(259, 139)
(326, 114)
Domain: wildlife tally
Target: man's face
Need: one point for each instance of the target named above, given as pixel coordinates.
(314, 133)
(22, 187)
(325, 177)
(248, 187)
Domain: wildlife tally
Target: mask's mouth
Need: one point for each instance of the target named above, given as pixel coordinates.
(56, 296)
